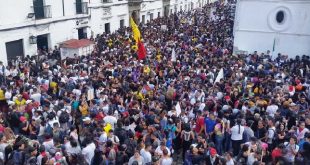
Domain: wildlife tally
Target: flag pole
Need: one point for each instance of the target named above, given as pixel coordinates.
(273, 47)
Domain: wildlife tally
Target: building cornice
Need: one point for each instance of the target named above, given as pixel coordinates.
(34, 23)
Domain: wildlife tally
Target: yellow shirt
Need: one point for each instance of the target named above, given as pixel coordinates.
(20, 103)
(84, 110)
(139, 95)
(2, 97)
(107, 128)
(146, 70)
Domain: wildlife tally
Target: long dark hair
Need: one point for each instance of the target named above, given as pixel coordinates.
(239, 124)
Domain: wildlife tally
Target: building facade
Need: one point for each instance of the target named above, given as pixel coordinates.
(281, 26)
(29, 25)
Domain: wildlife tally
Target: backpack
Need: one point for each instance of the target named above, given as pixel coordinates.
(64, 117)
(48, 129)
(187, 136)
(131, 146)
(121, 134)
(15, 158)
(120, 158)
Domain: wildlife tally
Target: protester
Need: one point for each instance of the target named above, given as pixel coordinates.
(189, 101)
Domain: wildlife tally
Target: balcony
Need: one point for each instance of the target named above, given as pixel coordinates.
(42, 12)
(81, 7)
(107, 1)
(135, 1)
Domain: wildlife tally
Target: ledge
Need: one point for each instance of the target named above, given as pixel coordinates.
(41, 22)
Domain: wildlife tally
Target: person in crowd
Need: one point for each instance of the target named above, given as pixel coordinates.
(188, 101)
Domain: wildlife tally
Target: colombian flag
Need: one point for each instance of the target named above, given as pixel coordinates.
(137, 36)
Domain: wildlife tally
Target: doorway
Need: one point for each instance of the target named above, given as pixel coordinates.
(122, 23)
(82, 33)
(14, 49)
(107, 27)
(143, 19)
(42, 42)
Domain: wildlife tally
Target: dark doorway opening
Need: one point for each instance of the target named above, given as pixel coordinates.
(82, 33)
(107, 27)
(14, 49)
(42, 42)
(121, 23)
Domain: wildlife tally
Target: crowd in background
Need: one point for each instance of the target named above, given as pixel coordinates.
(189, 102)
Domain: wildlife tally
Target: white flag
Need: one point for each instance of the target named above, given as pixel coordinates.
(178, 109)
(219, 76)
(173, 57)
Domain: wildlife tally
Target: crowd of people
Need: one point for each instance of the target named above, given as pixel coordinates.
(189, 102)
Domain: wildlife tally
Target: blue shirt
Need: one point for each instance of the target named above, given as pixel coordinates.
(209, 125)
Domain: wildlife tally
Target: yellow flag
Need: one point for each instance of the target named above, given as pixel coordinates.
(135, 30)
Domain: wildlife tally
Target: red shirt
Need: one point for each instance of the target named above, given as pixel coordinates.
(199, 123)
(276, 153)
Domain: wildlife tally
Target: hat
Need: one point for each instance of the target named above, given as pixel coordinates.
(22, 118)
(28, 101)
(213, 151)
(11, 103)
(58, 155)
(227, 97)
(87, 119)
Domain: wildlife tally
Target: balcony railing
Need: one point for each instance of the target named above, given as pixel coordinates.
(42, 12)
(135, 1)
(107, 1)
(81, 8)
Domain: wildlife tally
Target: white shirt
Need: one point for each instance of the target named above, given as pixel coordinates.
(301, 134)
(290, 155)
(36, 97)
(147, 156)
(235, 134)
(271, 134)
(160, 152)
(72, 150)
(8, 95)
(89, 152)
(271, 110)
(103, 137)
(48, 145)
(230, 162)
(110, 119)
(114, 139)
(166, 161)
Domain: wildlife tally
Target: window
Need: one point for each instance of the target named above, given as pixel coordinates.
(107, 27)
(280, 17)
(158, 14)
(151, 16)
(121, 23)
(143, 19)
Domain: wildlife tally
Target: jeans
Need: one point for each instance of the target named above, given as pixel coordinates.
(236, 146)
(219, 143)
(227, 143)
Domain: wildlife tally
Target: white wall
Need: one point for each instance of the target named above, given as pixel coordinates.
(256, 27)
(118, 10)
(15, 25)
(148, 7)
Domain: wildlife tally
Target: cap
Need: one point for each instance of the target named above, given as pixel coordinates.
(87, 119)
(22, 118)
(213, 151)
